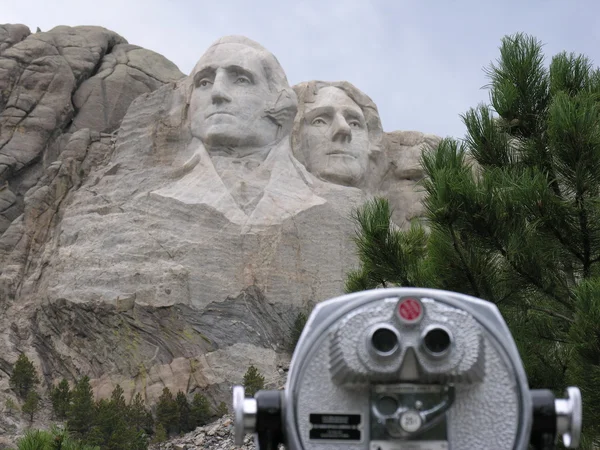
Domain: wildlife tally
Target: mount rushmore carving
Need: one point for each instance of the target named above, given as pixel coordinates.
(179, 250)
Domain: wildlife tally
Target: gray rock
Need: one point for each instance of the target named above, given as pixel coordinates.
(215, 436)
(11, 34)
(126, 73)
(400, 182)
(40, 74)
(179, 250)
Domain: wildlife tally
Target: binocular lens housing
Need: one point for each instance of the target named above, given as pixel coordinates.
(437, 341)
(385, 340)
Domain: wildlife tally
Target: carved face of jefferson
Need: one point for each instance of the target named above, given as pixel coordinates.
(335, 138)
(236, 85)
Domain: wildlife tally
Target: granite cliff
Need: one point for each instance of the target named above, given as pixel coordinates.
(145, 242)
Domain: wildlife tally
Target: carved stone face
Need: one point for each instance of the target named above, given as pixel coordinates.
(229, 99)
(335, 139)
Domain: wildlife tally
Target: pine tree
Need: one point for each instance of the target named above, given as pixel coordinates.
(31, 405)
(513, 217)
(118, 426)
(138, 416)
(297, 328)
(166, 412)
(11, 406)
(184, 413)
(253, 381)
(160, 435)
(200, 410)
(117, 431)
(80, 417)
(24, 376)
(221, 409)
(61, 398)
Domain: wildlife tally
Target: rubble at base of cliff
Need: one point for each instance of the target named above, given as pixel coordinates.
(218, 435)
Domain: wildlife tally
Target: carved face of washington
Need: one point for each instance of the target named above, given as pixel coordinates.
(236, 97)
(332, 135)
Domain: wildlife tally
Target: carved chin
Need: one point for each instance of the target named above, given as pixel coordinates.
(221, 137)
(345, 177)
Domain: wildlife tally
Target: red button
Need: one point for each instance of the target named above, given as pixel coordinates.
(410, 309)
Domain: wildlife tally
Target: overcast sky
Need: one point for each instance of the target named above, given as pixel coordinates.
(420, 60)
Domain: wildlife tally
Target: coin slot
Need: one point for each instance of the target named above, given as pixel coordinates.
(387, 406)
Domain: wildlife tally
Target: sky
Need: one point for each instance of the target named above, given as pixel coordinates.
(421, 61)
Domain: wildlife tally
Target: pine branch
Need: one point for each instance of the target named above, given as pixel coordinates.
(552, 339)
(551, 313)
(463, 261)
(527, 275)
(560, 238)
(583, 223)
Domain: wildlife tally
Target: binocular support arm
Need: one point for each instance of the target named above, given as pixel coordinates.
(260, 415)
(553, 417)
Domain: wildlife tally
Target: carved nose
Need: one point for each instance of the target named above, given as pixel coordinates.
(341, 130)
(219, 89)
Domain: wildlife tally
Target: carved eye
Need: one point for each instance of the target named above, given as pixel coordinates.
(204, 82)
(242, 80)
(355, 124)
(318, 121)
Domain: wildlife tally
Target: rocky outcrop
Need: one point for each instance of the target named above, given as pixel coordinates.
(55, 83)
(120, 256)
(400, 181)
(218, 435)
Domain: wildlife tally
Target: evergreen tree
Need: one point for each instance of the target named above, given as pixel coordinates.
(61, 398)
(80, 417)
(297, 328)
(513, 217)
(253, 381)
(138, 416)
(221, 409)
(184, 413)
(160, 435)
(166, 412)
(24, 376)
(11, 406)
(200, 410)
(31, 405)
(118, 426)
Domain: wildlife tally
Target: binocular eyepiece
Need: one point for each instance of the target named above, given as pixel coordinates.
(405, 368)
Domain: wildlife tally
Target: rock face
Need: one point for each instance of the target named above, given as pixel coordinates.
(178, 249)
(218, 435)
(55, 83)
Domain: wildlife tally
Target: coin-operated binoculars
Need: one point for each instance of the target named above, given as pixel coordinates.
(407, 369)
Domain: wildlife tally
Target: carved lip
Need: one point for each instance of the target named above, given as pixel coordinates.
(341, 152)
(225, 113)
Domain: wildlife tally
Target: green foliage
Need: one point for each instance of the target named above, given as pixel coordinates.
(80, 416)
(221, 409)
(253, 381)
(160, 435)
(24, 376)
(35, 440)
(11, 406)
(118, 425)
(200, 410)
(166, 412)
(184, 414)
(61, 398)
(389, 257)
(513, 217)
(139, 417)
(297, 328)
(584, 368)
(54, 439)
(31, 405)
